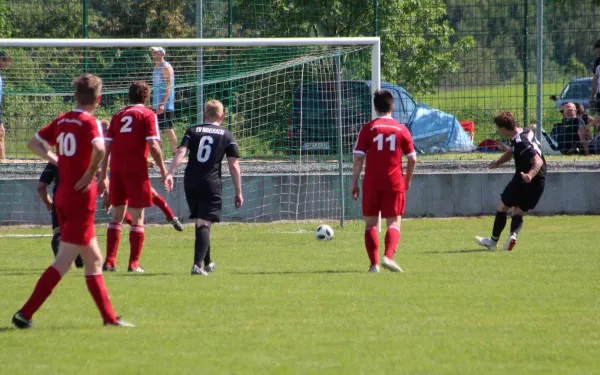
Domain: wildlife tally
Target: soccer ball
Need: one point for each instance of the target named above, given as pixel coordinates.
(324, 233)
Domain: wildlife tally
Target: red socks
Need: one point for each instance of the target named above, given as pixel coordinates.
(128, 219)
(372, 244)
(47, 282)
(392, 238)
(113, 236)
(160, 202)
(136, 242)
(95, 284)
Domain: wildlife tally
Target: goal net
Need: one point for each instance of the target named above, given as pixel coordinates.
(294, 105)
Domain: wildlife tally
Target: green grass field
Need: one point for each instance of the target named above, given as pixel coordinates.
(281, 302)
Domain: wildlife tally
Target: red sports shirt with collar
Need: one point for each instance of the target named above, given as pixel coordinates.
(130, 130)
(383, 141)
(73, 133)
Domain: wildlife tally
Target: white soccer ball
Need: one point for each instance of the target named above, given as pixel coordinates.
(324, 233)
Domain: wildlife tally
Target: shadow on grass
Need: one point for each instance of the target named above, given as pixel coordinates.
(317, 272)
(465, 251)
(136, 274)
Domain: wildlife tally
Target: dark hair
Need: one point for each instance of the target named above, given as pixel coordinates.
(597, 44)
(580, 108)
(139, 92)
(384, 101)
(506, 120)
(88, 88)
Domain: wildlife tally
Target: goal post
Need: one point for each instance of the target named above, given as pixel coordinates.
(295, 105)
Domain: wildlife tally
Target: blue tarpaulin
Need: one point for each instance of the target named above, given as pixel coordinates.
(435, 131)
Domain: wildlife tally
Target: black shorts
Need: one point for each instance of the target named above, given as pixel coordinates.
(54, 217)
(204, 202)
(524, 196)
(165, 120)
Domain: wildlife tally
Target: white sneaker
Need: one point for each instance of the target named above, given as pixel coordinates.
(390, 265)
(210, 267)
(486, 242)
(198, 271)
(511, 241)
(374, 268)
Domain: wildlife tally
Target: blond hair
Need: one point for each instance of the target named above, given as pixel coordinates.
(213, 110)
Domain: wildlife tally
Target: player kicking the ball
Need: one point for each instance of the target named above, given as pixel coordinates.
(78, 137)
(382, 142)
(132, 133)
(207, 143)
(525, 189)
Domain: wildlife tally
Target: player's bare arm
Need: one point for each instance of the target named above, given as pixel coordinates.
(44, 196)
(505, 158)
(36, 146)
(537, 164)
(103, 175)
(410, 170)
(98, 151)
(357, 167)
(156, 152)
(581, 132)
(236, 177)
(167, 72)
(181, 151)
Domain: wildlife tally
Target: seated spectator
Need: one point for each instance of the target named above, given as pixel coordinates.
(582, 113)
(570, 133)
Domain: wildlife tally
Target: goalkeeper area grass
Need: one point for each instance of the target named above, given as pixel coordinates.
(282, 302)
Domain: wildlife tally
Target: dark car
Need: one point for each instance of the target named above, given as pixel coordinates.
(315, 111)
(576, 91)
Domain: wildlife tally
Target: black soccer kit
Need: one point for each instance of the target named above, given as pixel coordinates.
(207, 144)
(518, 193)
(49, 174)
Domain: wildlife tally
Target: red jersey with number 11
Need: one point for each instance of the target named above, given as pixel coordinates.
(383, 141)
(130, 130)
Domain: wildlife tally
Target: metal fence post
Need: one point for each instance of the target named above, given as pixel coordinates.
(230, 35)
(526, 63)
(199, 65)
(540, 65)
(338, 73)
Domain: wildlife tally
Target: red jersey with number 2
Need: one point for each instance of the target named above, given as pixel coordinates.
(73, 134)
(130, 130)
(383, 141)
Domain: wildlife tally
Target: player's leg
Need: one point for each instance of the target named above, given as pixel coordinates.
(47, 282)
(209, 265)
(529, 198)
(136, 239)
(201, 245)
(95, 284)
(113, 237)
(370, 211)
(392, 239)
(55, 242)
(515, 227)
(127, 219)
(161, 203)
(509, 198)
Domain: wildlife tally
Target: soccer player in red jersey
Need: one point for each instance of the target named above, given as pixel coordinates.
(132, 133)
(157, 200)
(382, 142)
(80, 148)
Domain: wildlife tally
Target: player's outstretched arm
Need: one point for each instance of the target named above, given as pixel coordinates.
(505, 158)
(156, 152)
(36, 146)
(536, 165)
(181, 151)
(97, 154)
(236, 176)
(357, 167)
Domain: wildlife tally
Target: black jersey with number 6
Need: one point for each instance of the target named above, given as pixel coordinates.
(207, 144)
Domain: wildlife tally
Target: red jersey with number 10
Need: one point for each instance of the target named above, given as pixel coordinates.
(130, 130)
(383, 141)
(73, 134)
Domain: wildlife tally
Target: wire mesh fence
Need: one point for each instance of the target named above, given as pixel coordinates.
(466, 58)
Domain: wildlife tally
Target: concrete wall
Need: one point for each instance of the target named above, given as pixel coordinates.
(284, 197)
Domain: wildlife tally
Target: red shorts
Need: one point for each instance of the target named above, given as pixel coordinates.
(390, 203)
(75, 218)
(131, 189)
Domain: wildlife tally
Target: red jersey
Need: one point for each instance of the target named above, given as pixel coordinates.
(73, 134)
(130, 129)
(383, 141)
